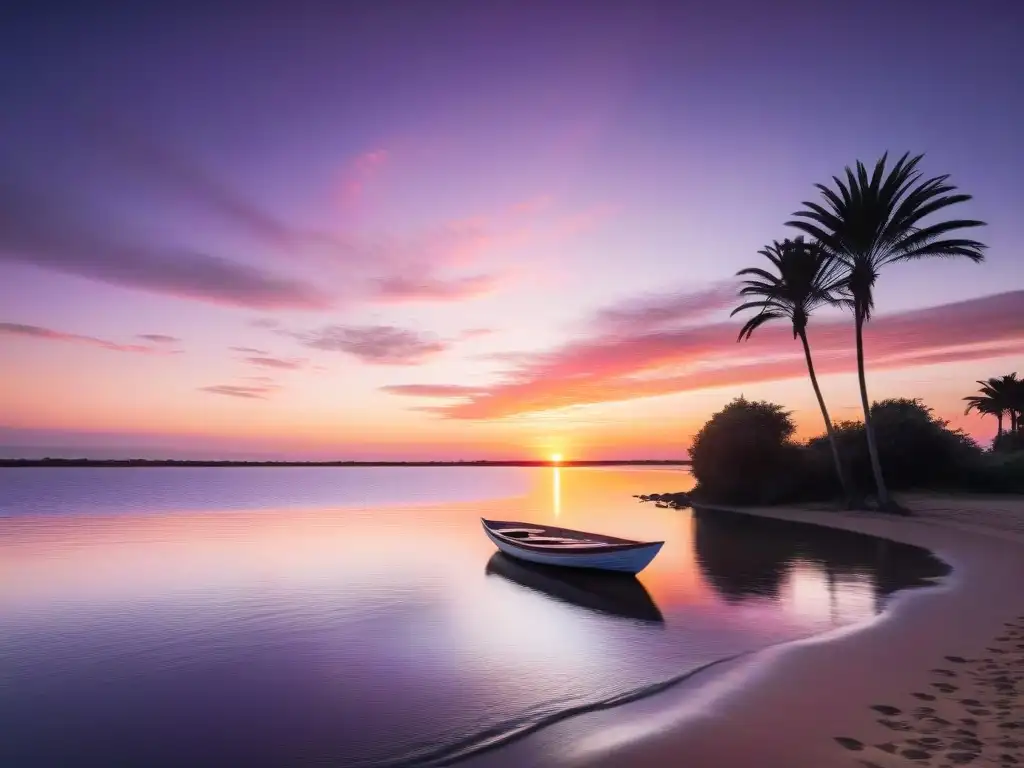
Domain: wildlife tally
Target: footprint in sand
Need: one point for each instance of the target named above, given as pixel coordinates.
(896, 725)
(916, 754)
(885, 709)
(851, 744)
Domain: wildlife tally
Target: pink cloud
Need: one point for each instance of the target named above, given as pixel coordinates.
(48, 334)
(617, 365)
(410, 289)
(159, 338)
(362, 170)
(276, 362)
(431, 390)
(375, 344)
(587, 219)
(240, 391)
(648, 313)
(532, 205)
(266, 323)
(475, 333)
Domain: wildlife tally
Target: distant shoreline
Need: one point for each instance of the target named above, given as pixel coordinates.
(192, 463)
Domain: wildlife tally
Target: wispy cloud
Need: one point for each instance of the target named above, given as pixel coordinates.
(64, 228)
(38, 230)
(240, 390)
(432, 390)
(159, 338)
(48, 334)
(152, 162)
(359, 173)
(375, 344)
(617, 366)
(657, 311)
(250, 351)
(587, 219)
(292, 364)
(411, 289)
(475, 333)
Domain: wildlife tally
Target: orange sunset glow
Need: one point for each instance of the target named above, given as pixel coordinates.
(296, 274)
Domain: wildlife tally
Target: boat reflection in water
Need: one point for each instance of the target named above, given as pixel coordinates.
(614, 594)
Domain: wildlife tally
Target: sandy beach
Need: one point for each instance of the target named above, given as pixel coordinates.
(935, 681)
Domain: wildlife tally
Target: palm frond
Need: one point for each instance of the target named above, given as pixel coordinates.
(869, 219)
(806, 275)
(756, 322)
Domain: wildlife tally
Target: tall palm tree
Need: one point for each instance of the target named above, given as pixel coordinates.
(804, 276)
(986, 405)
(871, 221)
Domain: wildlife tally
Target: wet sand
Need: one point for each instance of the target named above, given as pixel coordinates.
(937, 680)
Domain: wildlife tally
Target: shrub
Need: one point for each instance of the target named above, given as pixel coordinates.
(744, 454)
(996, 473)
(916, 449)
(1009, 442)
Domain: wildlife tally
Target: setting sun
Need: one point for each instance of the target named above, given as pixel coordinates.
(556, 457)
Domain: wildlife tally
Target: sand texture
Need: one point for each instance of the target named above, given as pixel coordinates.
(970, 713)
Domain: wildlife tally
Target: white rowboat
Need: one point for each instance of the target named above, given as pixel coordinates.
(548, 545)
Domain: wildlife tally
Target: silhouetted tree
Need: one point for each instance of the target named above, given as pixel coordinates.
(998, 396)
(804, 276)
(869, 222)
(986, 406)
(744, 454)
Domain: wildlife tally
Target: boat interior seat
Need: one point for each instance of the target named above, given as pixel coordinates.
(519, 533)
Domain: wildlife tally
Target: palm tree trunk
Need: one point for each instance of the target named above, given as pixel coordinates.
(999, 428)
(876, 466)
(844, 480)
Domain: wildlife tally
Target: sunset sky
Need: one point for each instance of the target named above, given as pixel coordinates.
(442, 230)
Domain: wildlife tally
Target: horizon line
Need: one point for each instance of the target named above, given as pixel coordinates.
(85, 462)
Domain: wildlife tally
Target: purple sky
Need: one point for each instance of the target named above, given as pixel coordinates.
(456, 229)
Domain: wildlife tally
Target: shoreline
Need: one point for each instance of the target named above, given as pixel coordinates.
(809, 702)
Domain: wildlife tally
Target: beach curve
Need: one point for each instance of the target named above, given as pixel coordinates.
(848, 697)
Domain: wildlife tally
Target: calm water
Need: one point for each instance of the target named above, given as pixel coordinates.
(359, 617)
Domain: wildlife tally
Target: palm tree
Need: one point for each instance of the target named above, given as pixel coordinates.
(1015, 397)
(986, 405)
(1011, 390)
(999, 396)
(869, 222)
(804, 277)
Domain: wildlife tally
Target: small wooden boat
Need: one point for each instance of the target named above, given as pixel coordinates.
(621, 595)
(547, 545)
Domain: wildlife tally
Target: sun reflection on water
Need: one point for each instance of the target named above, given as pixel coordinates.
(557, 483)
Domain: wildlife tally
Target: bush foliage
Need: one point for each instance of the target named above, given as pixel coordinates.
(752, 441)
(745, 454)
(916, 449)
(1009, 442)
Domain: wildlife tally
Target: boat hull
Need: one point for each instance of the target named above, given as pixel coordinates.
(631, 560)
